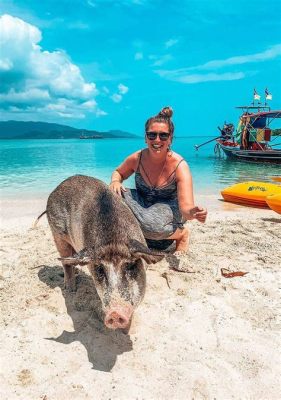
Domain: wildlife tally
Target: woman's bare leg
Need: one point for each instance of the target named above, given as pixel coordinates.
(181, 236)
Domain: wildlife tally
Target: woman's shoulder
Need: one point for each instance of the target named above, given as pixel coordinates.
(177, 158)
(179, 166)
(133, 159)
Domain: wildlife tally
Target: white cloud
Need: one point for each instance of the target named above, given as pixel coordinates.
(5, 65)
(89, 105)
(139, 56)
(23, 97)
(116, 97)
(64, 108)
(122, 88)
(170, 43)
(91, 4)
(160, 60)
(127, 3)
(100, 113)
(36, 80)
(269, 54)
(105, 89)
(196, 78)
(79, 25)
(190, 75)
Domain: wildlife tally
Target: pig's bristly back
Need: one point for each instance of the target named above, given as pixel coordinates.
(101, 216)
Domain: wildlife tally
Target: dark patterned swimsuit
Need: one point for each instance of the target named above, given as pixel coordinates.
(156, 208)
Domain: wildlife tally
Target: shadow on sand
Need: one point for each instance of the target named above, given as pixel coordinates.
(276, 220)
(83, 306)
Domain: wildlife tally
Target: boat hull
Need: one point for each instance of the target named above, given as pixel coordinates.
(234, 152)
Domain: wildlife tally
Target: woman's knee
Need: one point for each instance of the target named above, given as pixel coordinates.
(160, 230)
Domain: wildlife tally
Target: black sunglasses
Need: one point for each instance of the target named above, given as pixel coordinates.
(162, 135)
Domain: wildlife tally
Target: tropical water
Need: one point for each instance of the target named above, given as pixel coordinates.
(35, 167)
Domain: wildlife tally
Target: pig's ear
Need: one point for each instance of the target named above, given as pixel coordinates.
(83, 257)
(138, 250)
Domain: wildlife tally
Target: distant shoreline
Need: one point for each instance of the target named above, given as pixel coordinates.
(46, 130)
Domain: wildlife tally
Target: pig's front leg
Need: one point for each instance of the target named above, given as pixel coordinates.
(69, 277)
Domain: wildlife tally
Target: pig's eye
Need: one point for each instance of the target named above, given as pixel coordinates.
(100, 272)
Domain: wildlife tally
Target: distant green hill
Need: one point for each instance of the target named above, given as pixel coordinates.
(45, 130)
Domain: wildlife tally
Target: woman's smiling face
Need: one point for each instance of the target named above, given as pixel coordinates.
(156, 144)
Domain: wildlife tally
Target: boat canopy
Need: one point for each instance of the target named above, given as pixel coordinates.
(266, 114)
(257, 120)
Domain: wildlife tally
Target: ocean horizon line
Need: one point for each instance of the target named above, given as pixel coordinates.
(137, 137)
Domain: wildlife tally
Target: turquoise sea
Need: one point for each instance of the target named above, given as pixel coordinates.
(32, 168)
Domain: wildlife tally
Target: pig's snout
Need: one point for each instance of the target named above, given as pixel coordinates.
(118, 318)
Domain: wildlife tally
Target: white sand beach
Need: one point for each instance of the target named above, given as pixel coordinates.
(202, 337)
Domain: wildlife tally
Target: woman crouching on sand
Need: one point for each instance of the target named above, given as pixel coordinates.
(163, 199)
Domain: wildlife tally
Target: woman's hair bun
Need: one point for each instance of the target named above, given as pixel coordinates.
(166, 112)
(165, 116)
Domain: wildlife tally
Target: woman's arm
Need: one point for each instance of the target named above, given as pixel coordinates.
(126, 169)
(185, 195)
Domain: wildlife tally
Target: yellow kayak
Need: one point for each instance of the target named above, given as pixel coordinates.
(274, 202)
(251, 193)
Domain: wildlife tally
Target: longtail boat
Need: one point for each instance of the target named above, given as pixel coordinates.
(253, 139)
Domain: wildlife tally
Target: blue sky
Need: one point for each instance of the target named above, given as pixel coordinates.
(102, 64)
